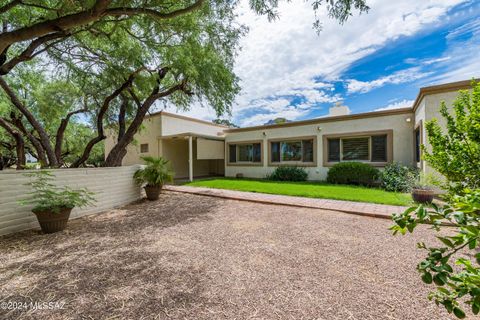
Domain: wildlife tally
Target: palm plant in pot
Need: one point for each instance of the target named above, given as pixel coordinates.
(51, 204)
(153, 176)
(423, 191)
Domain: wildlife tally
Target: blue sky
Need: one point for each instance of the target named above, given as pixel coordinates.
(375, 61)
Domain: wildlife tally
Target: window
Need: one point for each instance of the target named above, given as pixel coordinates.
(417, 144)
(355, 149)
(379, 148)
(372, 148)
(144, 148)
(245, 152)
(289, 151)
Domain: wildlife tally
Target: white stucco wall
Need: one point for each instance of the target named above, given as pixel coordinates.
(402, 140)
(172, 125)
(431, 110)
(113, 187)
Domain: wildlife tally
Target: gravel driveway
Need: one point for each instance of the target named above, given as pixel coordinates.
(196, 257)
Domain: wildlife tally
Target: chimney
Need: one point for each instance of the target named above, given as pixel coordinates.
(338, 110)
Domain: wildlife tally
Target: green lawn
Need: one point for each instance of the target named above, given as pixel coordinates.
(308, 189)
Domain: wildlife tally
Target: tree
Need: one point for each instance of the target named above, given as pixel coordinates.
(134, 52)
(225, 122)
(456, 155)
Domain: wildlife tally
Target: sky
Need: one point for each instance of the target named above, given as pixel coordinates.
(374, 61)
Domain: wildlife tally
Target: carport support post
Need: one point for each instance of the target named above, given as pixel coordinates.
(190, 158)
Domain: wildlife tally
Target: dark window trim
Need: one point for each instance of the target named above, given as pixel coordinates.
(244, 163)
(293, 163)
(369, 134)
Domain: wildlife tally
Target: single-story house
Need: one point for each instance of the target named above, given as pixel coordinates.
(198, 148)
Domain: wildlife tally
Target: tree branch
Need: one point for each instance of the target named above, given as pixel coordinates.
(61, 132)
(44, 139)
(98, 11)
(19, 143)
(101, 114)
(17, 122)
(9, 6)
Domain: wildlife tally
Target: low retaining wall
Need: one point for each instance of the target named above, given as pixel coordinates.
(113, 187)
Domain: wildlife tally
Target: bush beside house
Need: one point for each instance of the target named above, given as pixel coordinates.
(355, 173)
(286, 173)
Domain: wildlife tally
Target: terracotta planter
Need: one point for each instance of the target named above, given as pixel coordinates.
(153, 192)
(51, 222)
(423, 195)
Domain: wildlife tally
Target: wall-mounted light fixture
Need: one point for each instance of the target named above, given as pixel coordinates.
(408, 119)
(264, 133)
(319, 128)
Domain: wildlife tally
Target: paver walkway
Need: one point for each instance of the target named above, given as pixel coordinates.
(359, 208)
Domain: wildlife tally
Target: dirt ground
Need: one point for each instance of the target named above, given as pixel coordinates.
(195, 257)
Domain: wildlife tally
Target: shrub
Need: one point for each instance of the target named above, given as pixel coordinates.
(288, 174)
(48, 197)
(452, 264)
(356, 173)
(398, 178)
(455, 151)
(156, 173)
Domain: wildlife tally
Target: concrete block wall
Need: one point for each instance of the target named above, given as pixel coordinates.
(113, 187)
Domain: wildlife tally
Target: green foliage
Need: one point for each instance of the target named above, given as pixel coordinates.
(288, 173)
(463, 281)
(48, 197)
(155, 173)
(355, 173)
(398, 178)
(309, 189)
(456, 152)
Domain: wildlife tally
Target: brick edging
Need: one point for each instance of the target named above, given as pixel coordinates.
(365, 214)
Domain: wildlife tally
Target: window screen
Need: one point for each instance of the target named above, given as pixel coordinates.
(355, 149)
(275, 151)
(417, 145)
(144, 148)
(232, 153)
(379, 148)
(257, 152)
(307, 150)
(245, 152)
(291, 151)
(333, 150)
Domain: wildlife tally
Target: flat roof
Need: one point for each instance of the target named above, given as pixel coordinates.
(447, 87)
(174, 115)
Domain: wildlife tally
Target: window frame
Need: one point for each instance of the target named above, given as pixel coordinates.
(144, 144)
(418, 128)
(292, 163)
(243, 163)
(364, 134)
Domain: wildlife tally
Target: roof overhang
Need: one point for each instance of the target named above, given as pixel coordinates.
(185, 135)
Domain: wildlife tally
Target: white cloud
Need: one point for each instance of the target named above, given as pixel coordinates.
(285, 59)
(397, 105)
(398, 77)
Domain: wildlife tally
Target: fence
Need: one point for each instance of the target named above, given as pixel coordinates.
(113, 187)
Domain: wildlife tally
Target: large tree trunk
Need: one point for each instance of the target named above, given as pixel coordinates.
(40, 152)
(114, 158)
(19, 144)
(44, 139)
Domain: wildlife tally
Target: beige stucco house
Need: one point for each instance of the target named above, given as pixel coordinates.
(199, 148)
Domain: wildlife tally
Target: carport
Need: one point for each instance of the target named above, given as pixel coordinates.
(194, 155)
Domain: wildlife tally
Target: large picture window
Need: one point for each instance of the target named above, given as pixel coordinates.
(367, 148)
(299, 151)
(245, 153)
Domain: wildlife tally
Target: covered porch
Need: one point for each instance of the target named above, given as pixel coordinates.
(194, 155)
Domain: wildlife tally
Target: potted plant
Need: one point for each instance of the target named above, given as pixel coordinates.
(423, 191)
(51, 204)
(153, 176)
